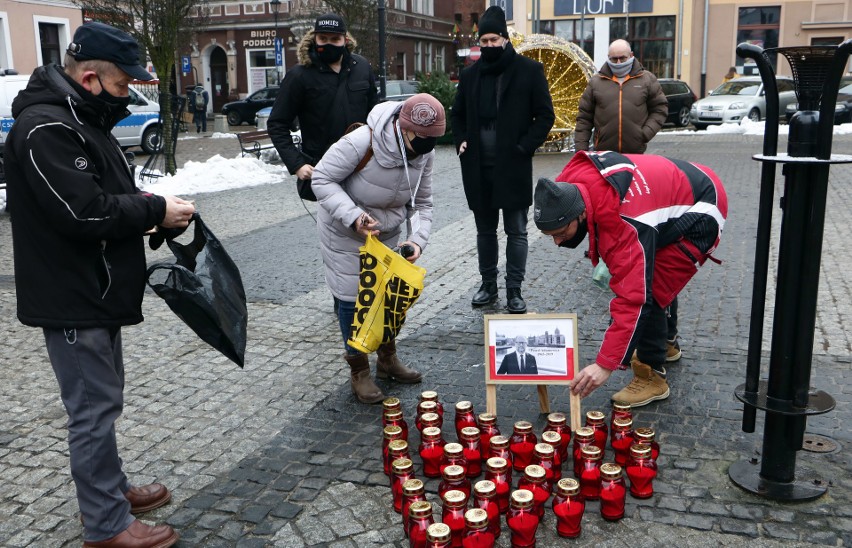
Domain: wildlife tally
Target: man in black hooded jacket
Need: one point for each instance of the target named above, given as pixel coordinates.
(78, 222)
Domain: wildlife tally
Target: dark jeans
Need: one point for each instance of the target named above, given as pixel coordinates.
(515, 227)
(200, 119)
(659, 326)
(345, 316)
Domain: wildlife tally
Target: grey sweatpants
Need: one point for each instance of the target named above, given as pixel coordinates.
(89, 367)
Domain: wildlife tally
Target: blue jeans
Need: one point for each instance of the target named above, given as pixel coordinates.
(345, 316)
(515, 227)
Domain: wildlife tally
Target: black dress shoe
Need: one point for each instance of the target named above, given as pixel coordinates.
(487, 294)
(514, 302)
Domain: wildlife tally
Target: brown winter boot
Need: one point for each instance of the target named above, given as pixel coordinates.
(647, 385)
(389, 366)
(362, 385)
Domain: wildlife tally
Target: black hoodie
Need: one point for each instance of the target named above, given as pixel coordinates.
(77, 217)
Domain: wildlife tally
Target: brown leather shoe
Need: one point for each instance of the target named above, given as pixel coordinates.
(147, 497)
(139, 535)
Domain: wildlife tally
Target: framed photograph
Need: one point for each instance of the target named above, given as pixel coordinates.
(531, 348)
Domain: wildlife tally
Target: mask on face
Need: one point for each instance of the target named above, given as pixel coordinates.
(423, 145)
(621, 69)
(111, 99)
(329, 54)
(492, 53)
(582, 230)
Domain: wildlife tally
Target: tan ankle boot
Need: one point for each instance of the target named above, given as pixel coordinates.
(389, 366)
(647, 386)
(362, 385)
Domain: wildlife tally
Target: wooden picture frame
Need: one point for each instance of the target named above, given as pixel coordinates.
(549, 350)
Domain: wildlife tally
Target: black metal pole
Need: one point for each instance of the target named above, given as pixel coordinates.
(382, 60)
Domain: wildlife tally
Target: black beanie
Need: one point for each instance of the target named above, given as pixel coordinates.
(556, 204)
(493, 21)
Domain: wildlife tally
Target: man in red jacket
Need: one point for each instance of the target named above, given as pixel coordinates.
(654, 221)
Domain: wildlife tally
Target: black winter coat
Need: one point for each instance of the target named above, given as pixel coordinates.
(524, 118)
(77, 218)
(308, 92)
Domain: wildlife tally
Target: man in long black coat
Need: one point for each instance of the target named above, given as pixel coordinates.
(501, 115)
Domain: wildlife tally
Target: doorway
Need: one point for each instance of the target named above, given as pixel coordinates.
(219, 89)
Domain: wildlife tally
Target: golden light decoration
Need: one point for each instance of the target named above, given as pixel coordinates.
(567, 69)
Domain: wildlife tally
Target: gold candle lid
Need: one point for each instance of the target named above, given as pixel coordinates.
(393, 414)
(453, 472)
(427, 406)
(592, 452)
(610, 471)
(568, 487)
(420, 509)
(487, 418)
(402, 466)
(486, 488)
(453, 449)
(476, 518)
(620, 406)
(428, 395)
(594, 417)
(622, 424)
(534, 472)
(455, 498)
(523, 427)
(392, 431)
(496, 464)
(432, 433)
(398, 447)
(644, 434)
(413, 487)
(544, 450)
(640, 451)
(557, 419)
(551, 437)
(430, 419)
(391, 403)
(584, 433)
(470, 433)
(464, 406)
(499, 442)
(522, 498)
(438, 532)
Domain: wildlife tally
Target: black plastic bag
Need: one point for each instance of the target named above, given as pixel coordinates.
(204, 288)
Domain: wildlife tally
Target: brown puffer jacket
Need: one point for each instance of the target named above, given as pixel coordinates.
(625, 115)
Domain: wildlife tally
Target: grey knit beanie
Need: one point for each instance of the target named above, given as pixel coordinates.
(556, 204)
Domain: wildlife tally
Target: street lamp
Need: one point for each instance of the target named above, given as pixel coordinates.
(278, 47)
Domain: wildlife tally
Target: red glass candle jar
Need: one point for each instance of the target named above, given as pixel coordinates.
(428, 408)
(452, 514)
(397, 449)
(403, 470)
(500, 448)
(497, 470)
(534, 482)
(413, 491)
(521, 445)
(391, 404)
(583, 437)
(419, 520)
(453, 454)
(646, 435)
(641, 471)
(390, 433)
(464, 417)
(590, 472)
(472, 452)
(554, 440)
(597, 422)
(453, 478)
(522, 519)
(477, 534)
(485, 497)
(543, 456)
(620, 410)
(622, 439)
(613, 492)
(428, 420)
(568, 507)
(558, 422)
(431, 450)
(431, 395)
(487, 430)
(394, 417)
(438, 535)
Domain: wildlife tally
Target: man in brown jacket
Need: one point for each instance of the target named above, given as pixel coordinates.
(623, 102)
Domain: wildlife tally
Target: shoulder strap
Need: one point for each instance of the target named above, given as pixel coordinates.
(367, 156)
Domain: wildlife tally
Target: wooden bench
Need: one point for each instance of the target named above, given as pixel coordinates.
(254, 142)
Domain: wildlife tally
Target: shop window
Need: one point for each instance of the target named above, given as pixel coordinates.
(758, 26)
(579, 31)
(652, 41)
(262, 69)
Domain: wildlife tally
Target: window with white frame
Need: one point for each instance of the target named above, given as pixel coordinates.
(425, 7)
(439, 59)
(6, 60)
(427, 54)
(52, 36)
(401, 4)
(417, 59)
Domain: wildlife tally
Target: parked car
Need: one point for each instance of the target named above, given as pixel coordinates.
(680, 97)
(737, 99)
(245, 110)
(843, 108)
(400, 90)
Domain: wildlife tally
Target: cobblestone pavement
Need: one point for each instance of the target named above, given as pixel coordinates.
(280, 454)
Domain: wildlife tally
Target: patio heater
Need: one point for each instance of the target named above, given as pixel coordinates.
(786, 396)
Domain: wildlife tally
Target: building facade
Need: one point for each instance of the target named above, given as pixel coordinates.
(36, 33)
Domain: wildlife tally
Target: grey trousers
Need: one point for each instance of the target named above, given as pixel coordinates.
(89, 367)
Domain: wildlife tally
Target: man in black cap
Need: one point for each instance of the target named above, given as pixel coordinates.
(330, 89)
(78, 222)
(654, 221)
(501, 115)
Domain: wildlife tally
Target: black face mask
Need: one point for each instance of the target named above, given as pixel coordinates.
(491, 53)
(423, 145)
(329, 54)
(572, 243)
(110, 99)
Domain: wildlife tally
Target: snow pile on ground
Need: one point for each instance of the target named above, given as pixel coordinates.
(216, 174)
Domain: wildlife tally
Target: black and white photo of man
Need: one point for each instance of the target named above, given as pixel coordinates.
(519, 362)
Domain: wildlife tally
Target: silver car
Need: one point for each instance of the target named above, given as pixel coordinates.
(738, 99)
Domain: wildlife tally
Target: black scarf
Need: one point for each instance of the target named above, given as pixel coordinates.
(490, 74)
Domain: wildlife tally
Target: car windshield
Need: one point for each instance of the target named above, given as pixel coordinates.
(400, 88)
(736, 87)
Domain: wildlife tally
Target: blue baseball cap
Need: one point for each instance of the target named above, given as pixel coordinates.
(98, 41)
